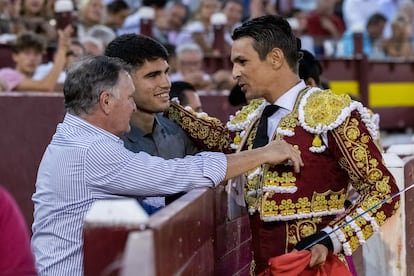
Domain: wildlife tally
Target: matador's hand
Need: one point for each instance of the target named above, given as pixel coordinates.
(320, 244)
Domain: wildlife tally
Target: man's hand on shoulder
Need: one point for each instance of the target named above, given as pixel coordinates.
(278, 151)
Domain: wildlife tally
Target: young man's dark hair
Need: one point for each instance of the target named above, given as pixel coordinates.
(136, 49)
(29, 40)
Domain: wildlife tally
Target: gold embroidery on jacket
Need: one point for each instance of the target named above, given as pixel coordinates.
(365, 176)
(302, 229)
(329, 201)
(290, 121)
(206, 132)
(324, 108)
(286, 179)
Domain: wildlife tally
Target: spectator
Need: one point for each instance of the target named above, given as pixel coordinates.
(399, 44)
(86, 161)
(151, 132)
(372, 38)
(199, 29)
(76, 51)
(167, 28)
(117, 12)
(190, 66)
(186, 94)
(324, 25)
(33, 16)
(132, 22)
(16, 255)
(90, 13)
(406, 9)
(261, 7)
(357, 12)
(27, 54)
(97, 38)
(6, 13)
(190, 63)
(233, 9)
(298, 21)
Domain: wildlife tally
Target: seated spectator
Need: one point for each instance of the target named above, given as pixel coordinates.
(406, 9)
(34, 16)
(324, 25)
(357, 12)
(16, 256)
(298, 21)
(6, 26)
(90, 13)
(233, 9)
(372, 38)
(132, 23)
(190, 69)
(117, 12)
(190, 66)
(259, 8)
(186, 95)
(97, 38)
(399, 44)
(199, 29)
(167, 28)
(76, 50)
(27, 54)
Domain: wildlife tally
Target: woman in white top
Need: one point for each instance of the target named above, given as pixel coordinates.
(199, 29)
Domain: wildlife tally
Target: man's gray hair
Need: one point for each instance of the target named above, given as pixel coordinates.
(86, 80)
(188, 47)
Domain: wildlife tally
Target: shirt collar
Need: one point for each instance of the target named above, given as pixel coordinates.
(136, 133)
(77, 121)
(288, 99)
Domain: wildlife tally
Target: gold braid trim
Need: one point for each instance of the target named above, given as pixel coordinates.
(367, 176)
(207, 133)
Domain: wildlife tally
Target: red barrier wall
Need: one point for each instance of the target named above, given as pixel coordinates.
(27, 123)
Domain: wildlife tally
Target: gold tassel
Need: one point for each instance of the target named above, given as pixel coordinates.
(317, 141)
(237, 139)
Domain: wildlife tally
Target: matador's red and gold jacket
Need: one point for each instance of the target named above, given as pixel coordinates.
(336, 138)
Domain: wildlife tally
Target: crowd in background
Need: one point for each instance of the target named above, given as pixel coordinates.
(187, 29)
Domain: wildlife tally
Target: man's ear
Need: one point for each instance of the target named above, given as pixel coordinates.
(105, 102)
(276, 57)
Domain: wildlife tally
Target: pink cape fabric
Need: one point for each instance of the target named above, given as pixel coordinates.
(296, 264)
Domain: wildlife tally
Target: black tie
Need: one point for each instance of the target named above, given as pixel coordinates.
(261, 138)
